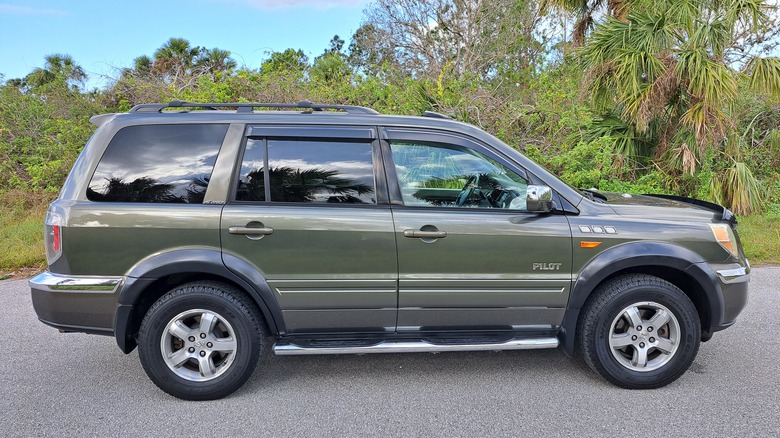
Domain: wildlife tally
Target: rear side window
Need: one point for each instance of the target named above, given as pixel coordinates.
(157, 163)
(307, 171)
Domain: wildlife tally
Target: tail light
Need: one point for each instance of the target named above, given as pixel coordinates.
(53, 236)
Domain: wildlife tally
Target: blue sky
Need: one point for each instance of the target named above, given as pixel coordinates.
(103, 36)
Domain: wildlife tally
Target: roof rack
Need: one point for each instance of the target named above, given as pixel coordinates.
(304, 105)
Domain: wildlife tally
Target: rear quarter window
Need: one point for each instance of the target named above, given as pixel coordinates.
(157, 164)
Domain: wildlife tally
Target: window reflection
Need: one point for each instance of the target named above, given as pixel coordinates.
(309, 172)
(157, 163)
(251, 183)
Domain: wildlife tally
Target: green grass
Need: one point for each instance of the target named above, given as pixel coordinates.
(760, 235)
(21, 234)
(22, 253)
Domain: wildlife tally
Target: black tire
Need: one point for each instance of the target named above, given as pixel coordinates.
(618, 338)
(201, 341)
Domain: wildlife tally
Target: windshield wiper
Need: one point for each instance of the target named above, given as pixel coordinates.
(593, 195)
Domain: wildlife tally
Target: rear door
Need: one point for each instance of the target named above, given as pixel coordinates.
(310, 212)
(470, 256)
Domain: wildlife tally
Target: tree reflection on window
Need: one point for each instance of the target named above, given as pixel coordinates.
(148, 190)
(304, 185)
(307, 171)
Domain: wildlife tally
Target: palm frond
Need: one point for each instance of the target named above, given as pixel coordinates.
(626, 141)
(742, 190)
(709, 81)
(764, 75)
(713, 36)
(750, 14)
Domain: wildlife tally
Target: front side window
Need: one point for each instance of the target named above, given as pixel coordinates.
(307, 171)
(438, 175)
(158, 164)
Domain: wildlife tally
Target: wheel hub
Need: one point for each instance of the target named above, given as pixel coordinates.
(644, 336)
(198, 345)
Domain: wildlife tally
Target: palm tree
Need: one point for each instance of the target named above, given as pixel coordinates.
(143, 64)
(142, 189)
(330, 67)
(175, 56)
(303, 185)
(666, 70)
(585, 10)
(57, 67)
(215, 61)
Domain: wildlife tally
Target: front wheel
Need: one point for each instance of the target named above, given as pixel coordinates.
(200, 341)
(639, 332)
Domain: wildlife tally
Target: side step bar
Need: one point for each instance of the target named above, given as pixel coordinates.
(416, 347)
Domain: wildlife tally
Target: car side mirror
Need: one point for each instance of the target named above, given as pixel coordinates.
(538, 199)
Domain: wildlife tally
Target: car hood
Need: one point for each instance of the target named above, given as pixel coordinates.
(666, 207)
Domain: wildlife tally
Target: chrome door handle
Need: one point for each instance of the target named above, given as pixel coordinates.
(417, 234)
(250, 231)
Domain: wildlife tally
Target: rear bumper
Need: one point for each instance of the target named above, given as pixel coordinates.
(76, 303)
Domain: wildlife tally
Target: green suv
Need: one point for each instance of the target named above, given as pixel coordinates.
(210, 234)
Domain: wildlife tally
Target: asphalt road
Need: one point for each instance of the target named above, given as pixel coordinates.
(55, 384)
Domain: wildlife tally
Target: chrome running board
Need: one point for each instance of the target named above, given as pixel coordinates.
(416, 346)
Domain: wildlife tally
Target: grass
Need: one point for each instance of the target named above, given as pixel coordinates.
(21, 233)
(22, 253)
(760, 235)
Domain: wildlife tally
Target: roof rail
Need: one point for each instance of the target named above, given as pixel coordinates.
(304, 105)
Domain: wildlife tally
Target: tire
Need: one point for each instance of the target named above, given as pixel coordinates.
(639, 332)
(201, 341)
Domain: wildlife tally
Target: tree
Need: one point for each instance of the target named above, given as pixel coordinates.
(461, 36)
(175, 64)
(331, 67)
(175, 57)
(142, 189)
(585, 11)
(666, 71)
(143, 64)
(58, 67)
(304, 185)
(335, 45)
(289, 61)
(214, 61)
(371, 50)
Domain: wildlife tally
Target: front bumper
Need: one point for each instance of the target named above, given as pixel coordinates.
(74, 303)
(733, 281)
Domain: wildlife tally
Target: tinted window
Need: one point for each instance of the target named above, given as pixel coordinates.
(437, 175)
(157, 163)
(251, 183)
(308, 171)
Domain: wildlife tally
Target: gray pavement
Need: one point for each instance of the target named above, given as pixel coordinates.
(54, 384)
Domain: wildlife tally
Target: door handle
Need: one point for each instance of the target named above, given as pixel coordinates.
(420, 234)
(250, 231)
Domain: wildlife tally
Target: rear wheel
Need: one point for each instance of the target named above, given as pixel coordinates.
(639, 332)
(201, 341)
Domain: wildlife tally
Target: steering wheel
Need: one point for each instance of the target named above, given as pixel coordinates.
(467, 190)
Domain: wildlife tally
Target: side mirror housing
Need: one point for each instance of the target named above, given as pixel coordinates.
(538, 199)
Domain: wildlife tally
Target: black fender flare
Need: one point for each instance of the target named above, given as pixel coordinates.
(635, 255)
(184, 261)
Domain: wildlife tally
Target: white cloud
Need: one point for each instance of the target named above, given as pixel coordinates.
(345, 169)
(26, 10)
(316, 4)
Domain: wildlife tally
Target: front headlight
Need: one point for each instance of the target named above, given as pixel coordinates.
(725, 236)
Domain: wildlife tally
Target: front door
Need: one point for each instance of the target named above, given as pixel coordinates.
(470, 256)
(309, 214)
